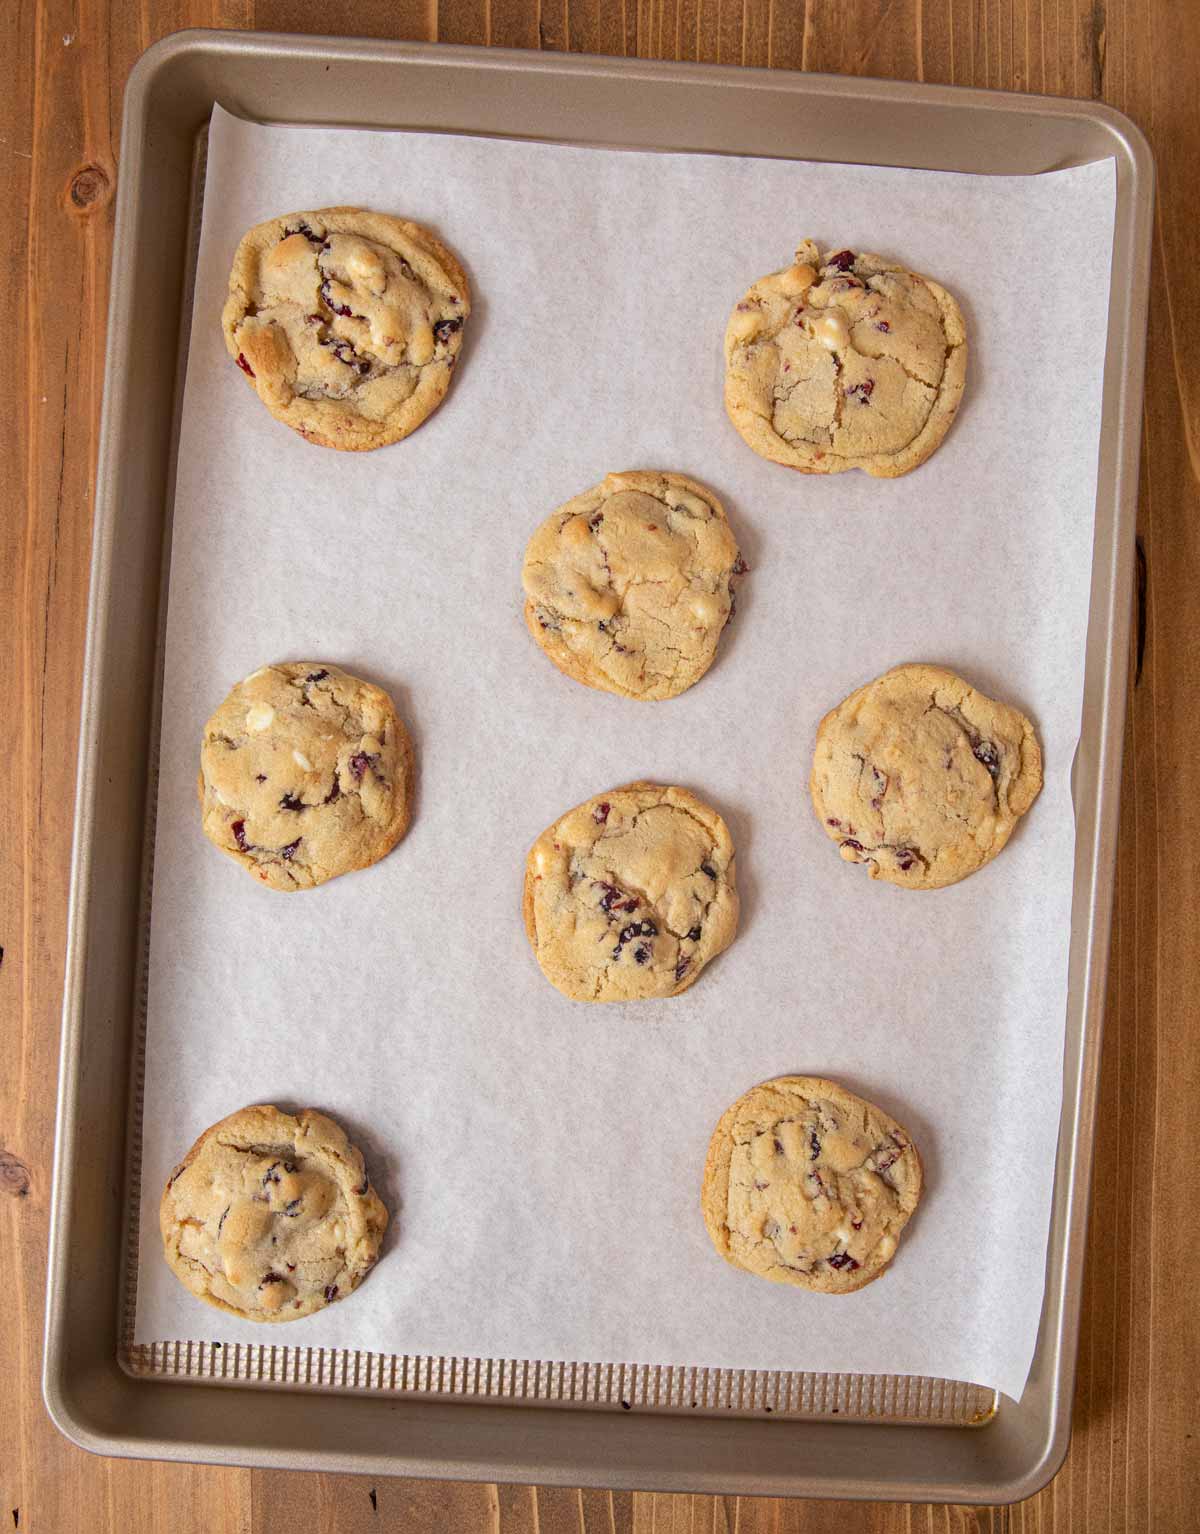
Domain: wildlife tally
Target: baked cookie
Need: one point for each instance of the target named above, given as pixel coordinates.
(807, 1184)
(922, 778)
(347, 323)
(629, 585)
(305, 773)
(630, 894)
(271, 1217)
(849, 363)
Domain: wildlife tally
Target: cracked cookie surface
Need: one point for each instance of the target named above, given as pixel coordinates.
(845, 362)
(347, 323)
(922, 778)
(271, 1216)
(807, 1184)
(629, 585)
(305, 773)
(629, 895)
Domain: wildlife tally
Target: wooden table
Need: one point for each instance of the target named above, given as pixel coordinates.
(1135, 1463)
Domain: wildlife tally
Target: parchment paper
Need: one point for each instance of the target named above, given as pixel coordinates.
(542, 1158)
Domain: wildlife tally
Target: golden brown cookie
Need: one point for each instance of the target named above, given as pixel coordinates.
(305, 773)
(807, 1184)
(629, 895)
(922, 778)
(271, 1217)
(629, 585)
(850, 362)
(347, 323)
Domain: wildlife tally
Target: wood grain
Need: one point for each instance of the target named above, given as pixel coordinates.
(1135, 1462)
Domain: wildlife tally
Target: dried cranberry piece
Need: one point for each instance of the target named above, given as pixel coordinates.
(244, 365)
(649, 929)
(852, 844)
(272, 1278)
(360, 761)
(740, 566)
(832, 822)
(317, 676)
(289, 852)
(843, 1260)
(600, 813)
(814, 1144)
(303, 228)
(444, 329)
(681, 968)
(290, 802)
(843, 261)
(610, 896)
(594, 524)
(986, 753)
(292, 1209)
(882, 325)
(641, 953)
(778, 1144)
(330, 1293)
(862, 391)
(239, 835)
(694, 935)
(905, 858)
(343, 309)
(630, 932)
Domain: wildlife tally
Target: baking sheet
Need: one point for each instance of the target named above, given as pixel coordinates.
(542, 1158)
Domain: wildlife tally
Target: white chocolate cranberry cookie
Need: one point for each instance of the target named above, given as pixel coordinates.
(629, 895)
(807, 1184)
(271, 1217)
(629, 585)
(305, 773)
(922, 778)
(347, 323)
(847, 363)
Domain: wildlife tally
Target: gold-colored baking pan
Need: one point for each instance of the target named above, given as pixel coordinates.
(633, 1425)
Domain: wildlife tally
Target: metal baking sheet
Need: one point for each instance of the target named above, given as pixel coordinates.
(636, 1427)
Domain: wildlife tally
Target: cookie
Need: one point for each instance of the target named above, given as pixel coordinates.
(922, 778)
(807, 1184)
(305, 773)
(629, 585)
(847, 363)
(271, 1217)
(347, 323)
(630, 894)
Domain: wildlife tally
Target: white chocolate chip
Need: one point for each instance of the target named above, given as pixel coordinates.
(743, 326)
(420, 344)
(705, 608)
(302, 761)
(793, 279)
(830, 328)
(259, 716)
